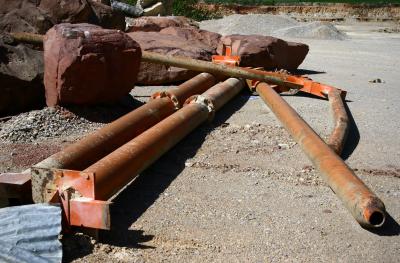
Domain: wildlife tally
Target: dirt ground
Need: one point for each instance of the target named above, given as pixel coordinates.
(239, 189)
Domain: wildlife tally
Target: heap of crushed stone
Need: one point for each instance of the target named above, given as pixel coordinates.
(272, 25)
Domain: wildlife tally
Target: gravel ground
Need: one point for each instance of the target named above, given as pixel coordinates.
(239, 189)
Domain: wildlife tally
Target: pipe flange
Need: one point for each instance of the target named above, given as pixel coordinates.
(166, 94)
(204, 101)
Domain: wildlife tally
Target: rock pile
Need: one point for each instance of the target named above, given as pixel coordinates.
(44, 124)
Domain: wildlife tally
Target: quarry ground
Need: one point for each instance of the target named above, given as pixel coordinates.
(239, 189)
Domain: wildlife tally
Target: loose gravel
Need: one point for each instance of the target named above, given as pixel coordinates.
(44, 124)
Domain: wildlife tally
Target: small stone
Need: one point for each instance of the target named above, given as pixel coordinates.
(377, 80)
(283, 146)
(327, 211)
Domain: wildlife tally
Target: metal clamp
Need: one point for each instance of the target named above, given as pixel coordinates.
(204, 101)
(166, 94)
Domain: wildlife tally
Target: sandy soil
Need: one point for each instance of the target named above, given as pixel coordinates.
(239, 189)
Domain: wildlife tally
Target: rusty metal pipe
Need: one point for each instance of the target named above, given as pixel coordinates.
(363, 204)
(340, 131)
(118, 168)
(216, 69)
(105, 140)
(98, 144)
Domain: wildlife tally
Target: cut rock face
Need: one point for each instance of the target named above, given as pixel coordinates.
(85, 64)
(154, 74)
(264, 51)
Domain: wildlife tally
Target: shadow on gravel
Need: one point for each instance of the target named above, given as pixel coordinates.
(133, 201)
(108, 112)
(390, 228)
(353, 138)
(306, 72)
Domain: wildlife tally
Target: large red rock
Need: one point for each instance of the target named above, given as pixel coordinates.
(155, 74)
(208, 38)
(157, 23)
(265, 51)
(85, 64)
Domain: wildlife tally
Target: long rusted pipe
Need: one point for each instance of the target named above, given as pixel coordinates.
(340, 131)
(217, 69)
(118, 168)
(364, 205)
(192, 64)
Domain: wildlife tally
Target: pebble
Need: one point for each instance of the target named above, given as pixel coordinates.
(378, 80)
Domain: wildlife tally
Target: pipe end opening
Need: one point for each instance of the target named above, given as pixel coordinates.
(377, 219)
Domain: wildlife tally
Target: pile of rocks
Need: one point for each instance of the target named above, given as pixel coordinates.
(44, 124)
(272, 25)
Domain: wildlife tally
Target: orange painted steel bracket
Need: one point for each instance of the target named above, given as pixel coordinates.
(75, 191)
(292, 83)
(226, 59)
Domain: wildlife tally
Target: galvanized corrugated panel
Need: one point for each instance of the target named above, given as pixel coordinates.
(30, 233)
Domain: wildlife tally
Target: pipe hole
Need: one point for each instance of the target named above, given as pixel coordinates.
(377, 218)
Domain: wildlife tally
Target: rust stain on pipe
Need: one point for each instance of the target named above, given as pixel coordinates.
(118, 168)
(364, 205)
(340, 131)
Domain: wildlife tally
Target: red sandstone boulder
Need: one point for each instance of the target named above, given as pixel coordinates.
(265, 51)
(155, 74)
(157, 23)
(85, 64)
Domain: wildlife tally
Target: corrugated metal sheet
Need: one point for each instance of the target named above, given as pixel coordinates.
(30, 233)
